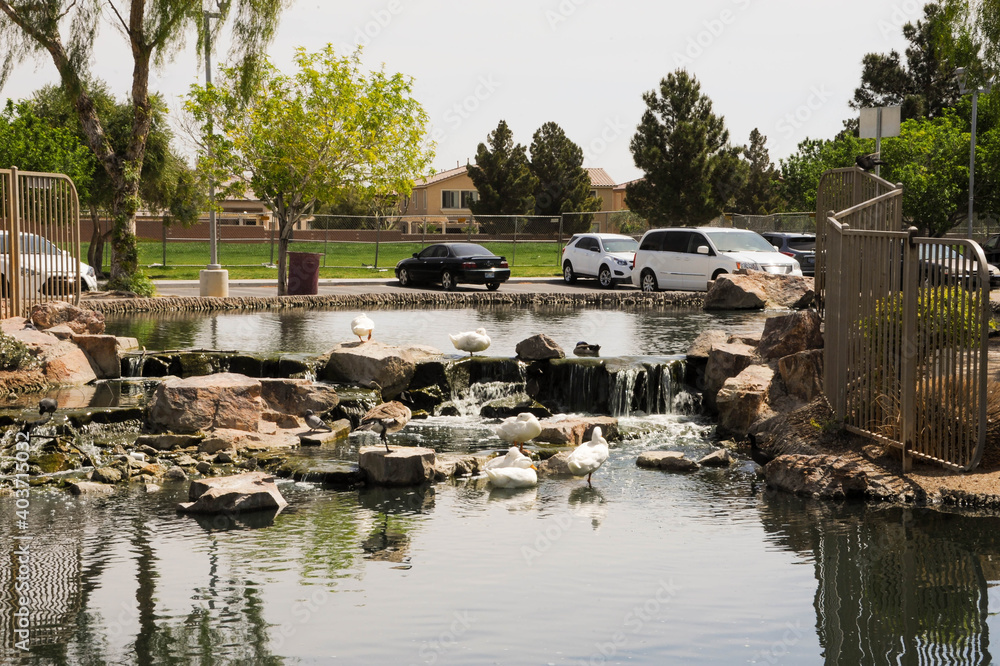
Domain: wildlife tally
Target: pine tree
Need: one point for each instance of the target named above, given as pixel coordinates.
(691, 171)
(502, 176)
(761, 193)
(563, 183)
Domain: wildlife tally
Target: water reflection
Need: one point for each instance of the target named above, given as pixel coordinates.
(896, 585)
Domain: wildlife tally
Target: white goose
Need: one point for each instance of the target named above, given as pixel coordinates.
(519, 429)
(514, 470)
(589, 456)
(471, 341)
(362, 326)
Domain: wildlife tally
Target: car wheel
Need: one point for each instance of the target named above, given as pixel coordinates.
(648, 282)
(492, 286)
(605, 278)
(716, 274)
(568, 275)
(404, 278)
(448, 281)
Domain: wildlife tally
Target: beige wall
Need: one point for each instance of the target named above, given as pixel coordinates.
(427, 199)
(607, 197)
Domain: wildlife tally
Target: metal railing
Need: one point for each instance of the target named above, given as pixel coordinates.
(906, 327)
(39, 240)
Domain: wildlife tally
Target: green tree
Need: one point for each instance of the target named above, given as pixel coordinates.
(303, 138)
(502, 176)
(67, 30)
(691, 171)
(761, 193)
(31, 144)
(563, 183)
(801, 171)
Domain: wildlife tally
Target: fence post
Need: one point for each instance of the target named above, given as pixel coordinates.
(326, 236)
(164, 244)
(559, 251)
(272, 243)
(513, 252)
(378, 228)
(835, 375)
(908, 353)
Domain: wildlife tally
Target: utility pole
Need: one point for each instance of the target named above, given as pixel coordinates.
(214, 280)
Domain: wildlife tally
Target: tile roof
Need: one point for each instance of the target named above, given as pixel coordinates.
(625, 184)
(440, 175)
(600, 178)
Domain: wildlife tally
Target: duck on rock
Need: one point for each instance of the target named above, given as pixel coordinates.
(514, 470)
(471, 341)
(361, 326)
(519, 429)
(589, 456)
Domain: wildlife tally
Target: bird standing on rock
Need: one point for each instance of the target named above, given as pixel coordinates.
(362, 326)
(46, 407)
(316, 423)
(471, 341)
(519, 429)
(589, 456)
(386, 418)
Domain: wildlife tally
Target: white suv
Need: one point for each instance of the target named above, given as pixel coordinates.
(607, 257)
(689, 258)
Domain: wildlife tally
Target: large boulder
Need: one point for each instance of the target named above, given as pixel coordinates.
(742, 400)
(574, 431)
(538, 348)
(80, 321)
(253, 491)
(725, 360)
(790, 334)
(195, 404)
(757, 289)
(295, 396)
(402, 466)
(826, 476)
(102, 350)
(555, 465)
(513, 405)
(372, 362)
(702, 345)
(802, 373)
(62, 362)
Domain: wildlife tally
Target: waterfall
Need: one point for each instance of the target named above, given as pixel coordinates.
(618, 387)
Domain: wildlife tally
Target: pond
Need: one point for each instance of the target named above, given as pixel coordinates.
(644, 567)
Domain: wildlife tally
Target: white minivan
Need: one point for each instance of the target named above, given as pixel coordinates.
(689, 258)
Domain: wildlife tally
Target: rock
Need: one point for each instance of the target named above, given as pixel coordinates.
(223, 458)
(184, 460)
(151, 488)
(802, 373)
(102, 350)
(281, 420)
(215, 444)
(742, 399)
(128, 344)
(154, 469)
(703, 344)
(824, 476)
(204, 467)
(295, 396)
(195, 404)
(717, 458)
(253, 491)
(732, 292)
(106, 475)
(538, 348)
(407, 466)
(47, 315)
(340, 429)
(724, 361)
(671, 461)
(450, 465)
(175, 473)
(147, 450)
(328, 472)
(62, 362)
(555, 465)
(167, 441)
(90, 488)
(512, 406)
(575, 431)
(369, 362)
(790, 334)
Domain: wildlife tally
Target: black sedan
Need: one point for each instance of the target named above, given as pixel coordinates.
(451, 263)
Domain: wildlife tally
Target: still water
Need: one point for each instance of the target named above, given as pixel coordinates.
(645, 567)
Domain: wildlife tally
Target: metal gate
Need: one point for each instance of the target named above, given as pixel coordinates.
(39, 240)
(907, 321)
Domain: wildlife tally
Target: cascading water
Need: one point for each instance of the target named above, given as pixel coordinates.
(619, 387)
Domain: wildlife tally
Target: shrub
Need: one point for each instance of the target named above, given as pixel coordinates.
(14, 354)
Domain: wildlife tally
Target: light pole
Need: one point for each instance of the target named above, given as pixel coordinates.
(214, 280)
(960, 75)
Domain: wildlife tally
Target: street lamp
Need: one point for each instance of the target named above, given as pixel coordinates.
(214, 280)
(960, 75)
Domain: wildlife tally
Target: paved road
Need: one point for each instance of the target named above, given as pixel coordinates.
(546, 285)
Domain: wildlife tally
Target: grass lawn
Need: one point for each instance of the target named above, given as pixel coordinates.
(341, 260)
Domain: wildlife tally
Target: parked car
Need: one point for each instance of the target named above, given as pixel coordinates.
(991, 248)
(47, 269)
(452, 263)
(942, 263)
(607, 257)
(689, 259)
(800, 247)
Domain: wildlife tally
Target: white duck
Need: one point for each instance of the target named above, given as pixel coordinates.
(589, 456)
(362, 326)
(471, 341)
(514, 470)
(519, 429)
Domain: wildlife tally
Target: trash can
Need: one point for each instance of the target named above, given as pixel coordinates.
(303, 273)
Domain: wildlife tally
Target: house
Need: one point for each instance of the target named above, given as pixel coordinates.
(602, 186)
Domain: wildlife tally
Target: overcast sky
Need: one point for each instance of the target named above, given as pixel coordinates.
(787, 67)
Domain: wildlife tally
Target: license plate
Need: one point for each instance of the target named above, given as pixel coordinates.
(487, 275)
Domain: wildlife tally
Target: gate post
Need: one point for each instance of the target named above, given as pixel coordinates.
(908, 350)
(834, 365)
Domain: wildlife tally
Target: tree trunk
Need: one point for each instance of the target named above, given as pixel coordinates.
(95, 253)
(125, 249)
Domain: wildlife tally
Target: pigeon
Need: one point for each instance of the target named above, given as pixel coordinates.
(316, 423)
(868, 162)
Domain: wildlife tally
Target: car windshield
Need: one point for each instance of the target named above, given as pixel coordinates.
(469, 250)
(739, 241)
(620, 245)
(802, 243)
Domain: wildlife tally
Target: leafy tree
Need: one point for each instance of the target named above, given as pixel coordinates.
(801, 171)
(67, 31)
(761, 193)
(925, 85)
(691, 171)
(563, 183)
(502, 176)
(32, 144)
(304, 138)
